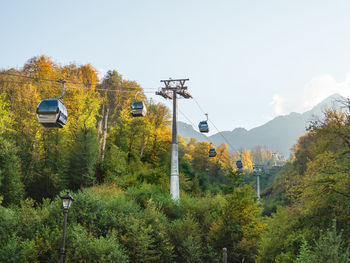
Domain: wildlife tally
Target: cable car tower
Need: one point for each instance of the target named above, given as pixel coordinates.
(258, 169)
(174, 88)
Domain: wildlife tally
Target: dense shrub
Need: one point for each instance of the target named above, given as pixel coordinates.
(106, 224)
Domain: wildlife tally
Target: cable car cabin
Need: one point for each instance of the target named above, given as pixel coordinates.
(52, 113)
(256, 172)
(138, 109)
(212, 152)
(203, 126)
(239, 164)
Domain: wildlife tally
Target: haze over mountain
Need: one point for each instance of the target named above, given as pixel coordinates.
(279, 134)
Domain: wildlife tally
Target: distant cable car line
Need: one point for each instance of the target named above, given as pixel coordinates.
(192, 123)
(211, 150)
(225, 139)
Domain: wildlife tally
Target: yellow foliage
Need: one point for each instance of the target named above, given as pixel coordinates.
(247, 160)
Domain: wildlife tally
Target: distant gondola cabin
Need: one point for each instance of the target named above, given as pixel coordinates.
(52, 113)
(138, 109)
(212, 152)
(239, 165)
(203, 126)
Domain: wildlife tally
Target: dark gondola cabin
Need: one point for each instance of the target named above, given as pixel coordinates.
(239, 165)
(256, 172)
(138, 109)
(52, 113)
(203, 126)
(212, 152)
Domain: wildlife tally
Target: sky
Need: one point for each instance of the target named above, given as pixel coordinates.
(248, 61)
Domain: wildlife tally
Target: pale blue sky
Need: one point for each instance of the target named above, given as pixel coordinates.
(240, 56)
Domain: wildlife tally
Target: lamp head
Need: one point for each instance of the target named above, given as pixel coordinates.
(67, 200)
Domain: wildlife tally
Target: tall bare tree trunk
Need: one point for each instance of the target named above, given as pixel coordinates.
(99, 126)
(105, 135)
(142, 150)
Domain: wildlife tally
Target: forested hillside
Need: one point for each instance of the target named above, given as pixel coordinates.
(312, 194)
(117, 169)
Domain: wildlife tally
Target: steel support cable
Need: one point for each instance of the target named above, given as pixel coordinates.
(199, 106)
(13, 81)
(71, 87)
(27, 77)
(183, 114)
(108, 90)
(70, 82)
(225, 139)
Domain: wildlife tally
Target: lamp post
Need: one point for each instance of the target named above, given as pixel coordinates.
(224, 255)
(66, 203)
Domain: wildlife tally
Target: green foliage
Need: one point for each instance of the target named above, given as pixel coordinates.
(11, 186)
(184, 233)
(239, 227)
(234, 180)
(83, 159)
(106, 224)
(86, 248)
(330, 247)
(115, 164)
(313, 188)
(305, 253)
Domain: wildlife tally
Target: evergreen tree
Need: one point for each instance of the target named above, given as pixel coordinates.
(83, 159)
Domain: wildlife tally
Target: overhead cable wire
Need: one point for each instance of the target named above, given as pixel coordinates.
(233, 148)
(183, 114)
(71, 87)
(70, 82)
(27, 77)
(199, 106)
(13, 81)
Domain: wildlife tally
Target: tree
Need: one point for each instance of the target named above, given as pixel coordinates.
(239, 228)
(115, 164)
(83, 159)
(247, 160)
(11, 186)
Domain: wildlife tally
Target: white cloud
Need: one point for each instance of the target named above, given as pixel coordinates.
(318, 89)
(101, 73)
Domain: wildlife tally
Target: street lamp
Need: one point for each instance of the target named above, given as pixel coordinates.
(67, 200)
(224, 255)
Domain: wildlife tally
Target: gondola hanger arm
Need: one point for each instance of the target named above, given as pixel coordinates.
(137, 92)
(63, 88)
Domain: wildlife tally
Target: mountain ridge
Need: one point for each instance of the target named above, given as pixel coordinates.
(278, 134)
